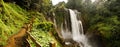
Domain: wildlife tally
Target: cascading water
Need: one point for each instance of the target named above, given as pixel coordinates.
(77, 31)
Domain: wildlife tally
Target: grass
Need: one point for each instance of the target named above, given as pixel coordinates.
(12, 17)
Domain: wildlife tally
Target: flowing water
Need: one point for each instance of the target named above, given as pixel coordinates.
(76, 33)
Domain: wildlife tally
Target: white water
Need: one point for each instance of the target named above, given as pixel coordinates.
(77, 31)
(75, 26)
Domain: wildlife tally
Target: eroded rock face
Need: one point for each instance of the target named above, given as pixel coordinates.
(61, 15)
(63, 21)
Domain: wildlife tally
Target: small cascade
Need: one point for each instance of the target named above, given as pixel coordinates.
(76, 33)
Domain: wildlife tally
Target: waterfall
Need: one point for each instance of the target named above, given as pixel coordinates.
(77, 33)
(77, 30)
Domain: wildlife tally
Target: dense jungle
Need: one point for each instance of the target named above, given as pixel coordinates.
(75, 23)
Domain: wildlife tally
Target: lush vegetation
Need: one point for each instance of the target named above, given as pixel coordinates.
(14, 15)
(42, 33)
(11, 19)
(102, 17)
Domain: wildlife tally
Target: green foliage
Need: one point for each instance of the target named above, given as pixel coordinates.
(44, 38)
(31, 43)
(11, 19)
(45, 26)
(41, 34)
(102, 17)
(61, 13)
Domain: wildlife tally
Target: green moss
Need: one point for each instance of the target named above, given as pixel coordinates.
(12, 18)
(45, 26)
(44, 38)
